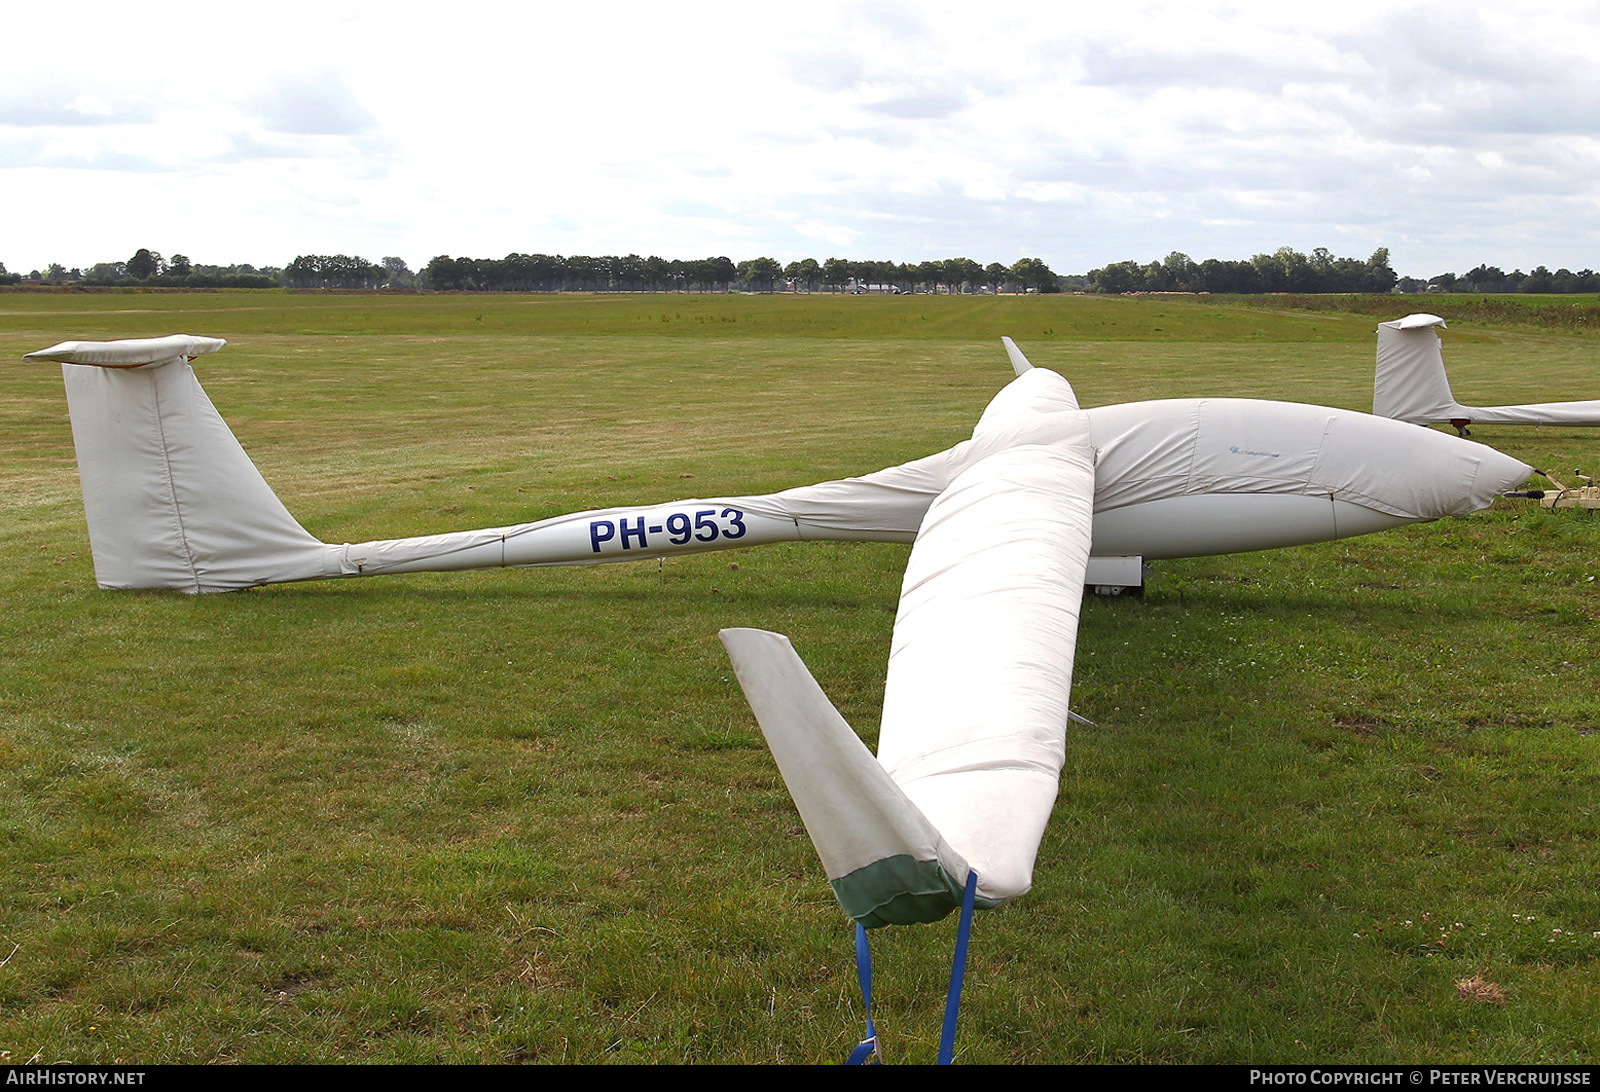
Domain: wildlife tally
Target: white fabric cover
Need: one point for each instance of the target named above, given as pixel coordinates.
(129, 352)
(855, 813)
(975, 706)
(171, 498)
(1151, 451)
(173, 501)
(980, 672)
(1410, 384)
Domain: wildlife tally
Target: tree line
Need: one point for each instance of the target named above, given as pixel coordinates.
(1490, 279)
(571, 273)
(149, 267)
(632, 273)
(1284, 270)
(1287, 270)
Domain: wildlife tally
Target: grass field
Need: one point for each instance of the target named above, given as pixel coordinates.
(525, 815)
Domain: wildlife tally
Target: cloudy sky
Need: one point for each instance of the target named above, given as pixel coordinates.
(1081, 133)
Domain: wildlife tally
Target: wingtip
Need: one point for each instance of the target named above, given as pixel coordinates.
(886, 862)
(1019, 363)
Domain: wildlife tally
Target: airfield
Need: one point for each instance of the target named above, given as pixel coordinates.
(1337, 804)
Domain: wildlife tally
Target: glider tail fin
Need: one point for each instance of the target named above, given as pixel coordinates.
(172, 500)
(1410, 383)
(886, 862)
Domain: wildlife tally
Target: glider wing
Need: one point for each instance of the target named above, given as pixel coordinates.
(975, 706)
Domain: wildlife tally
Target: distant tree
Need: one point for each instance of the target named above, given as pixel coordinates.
(806, 274)
(1116, 278)
(963, 274)
(654, 270)
(1033, 274)
(759, 274)
(143, 265)
(1377, 276)
(721, 272)
(835, 273)
(399, 274)
(628, 273)
(1541, 280)
(1180, 272)
(1484, 278)
(333, 271)
(179, 266)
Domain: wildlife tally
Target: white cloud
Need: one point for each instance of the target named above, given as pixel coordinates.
(1083, 136)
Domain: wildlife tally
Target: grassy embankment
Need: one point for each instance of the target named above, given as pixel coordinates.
(525, 815)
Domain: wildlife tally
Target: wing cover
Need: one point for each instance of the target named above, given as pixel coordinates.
(980, 672)
(887, 863)
(975, 706)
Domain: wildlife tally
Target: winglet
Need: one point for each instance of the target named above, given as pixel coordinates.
(886, 862)
(1019, 363)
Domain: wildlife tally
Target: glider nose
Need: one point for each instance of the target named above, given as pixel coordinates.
(1498, 472)
(1455, 477)
(1413, 473)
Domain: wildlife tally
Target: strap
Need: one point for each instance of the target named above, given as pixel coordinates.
(958, 973)
(867, 1050)
(868, 1047)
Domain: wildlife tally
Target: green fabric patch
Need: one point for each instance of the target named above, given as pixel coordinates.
(900, 890)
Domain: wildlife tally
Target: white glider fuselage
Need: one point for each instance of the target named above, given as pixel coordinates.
(173, 501)
(1174, 478)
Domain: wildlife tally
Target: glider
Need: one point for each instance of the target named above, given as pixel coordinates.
(1003, 526)
(1411, 385)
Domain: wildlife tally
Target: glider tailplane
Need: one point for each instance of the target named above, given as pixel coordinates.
(887, 864)
(171, 499)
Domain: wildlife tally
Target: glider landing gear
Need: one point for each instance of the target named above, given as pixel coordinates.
(1115, 576)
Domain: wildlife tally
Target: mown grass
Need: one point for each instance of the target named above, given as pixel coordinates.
(526, 815)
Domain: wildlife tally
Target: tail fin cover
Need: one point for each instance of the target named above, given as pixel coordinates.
(1410, 384)
(172, 500)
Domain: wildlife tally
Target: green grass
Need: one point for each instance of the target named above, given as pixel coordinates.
(526, 815)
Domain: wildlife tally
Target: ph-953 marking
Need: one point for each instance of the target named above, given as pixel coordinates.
(680, 528)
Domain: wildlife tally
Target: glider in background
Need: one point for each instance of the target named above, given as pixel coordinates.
(1411, 385)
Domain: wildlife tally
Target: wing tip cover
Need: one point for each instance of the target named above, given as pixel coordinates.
(886, 863)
